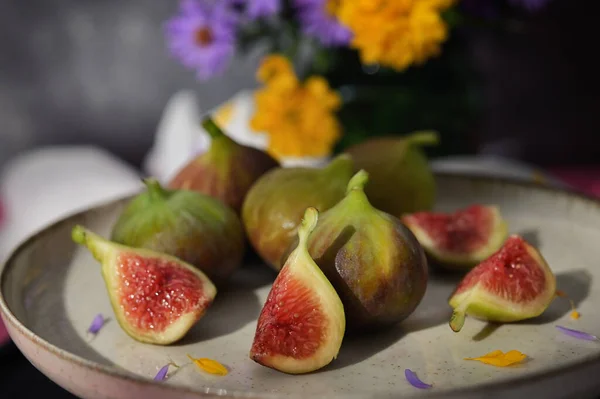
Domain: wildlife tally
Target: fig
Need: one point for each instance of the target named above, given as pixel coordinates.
(156, 298)
(193, 227)
(276, 202)
(513, 284)
(401, 180)
(226, 171)
(301, 326)
(462, 239)
(374, 262)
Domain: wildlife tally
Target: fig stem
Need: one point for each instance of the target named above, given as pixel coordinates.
(423, 137)
(155, 190)
(211, 127)
(457, 320)
(309, 222)
(95, 243)
(358, 181)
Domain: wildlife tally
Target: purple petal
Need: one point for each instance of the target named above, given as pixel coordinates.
(414, 380)
(97, 324)
(162, 373)
(180, 31)
(262, 8)
(577, 334)
(317, 22)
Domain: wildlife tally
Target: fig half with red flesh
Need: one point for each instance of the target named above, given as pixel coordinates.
(513, 284)
(302, 324)
(156, 298)
(462, 239)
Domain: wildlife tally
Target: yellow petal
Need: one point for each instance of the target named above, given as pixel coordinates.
(499, 359)
(575, 315)
(209, 365)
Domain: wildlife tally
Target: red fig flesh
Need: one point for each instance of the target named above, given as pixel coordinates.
(513, 284)
(301, 326)
(461, 239)
(156, 298)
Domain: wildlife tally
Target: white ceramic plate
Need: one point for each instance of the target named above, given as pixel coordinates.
(51, 290)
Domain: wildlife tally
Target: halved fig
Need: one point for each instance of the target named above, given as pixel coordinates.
(513, 284)
(302, 324)
(156, 297)
(462, 239)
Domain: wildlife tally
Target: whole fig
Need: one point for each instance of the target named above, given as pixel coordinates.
(193, 227)
(401, 179)
(225, 171)
(374, 262)
(275, 204)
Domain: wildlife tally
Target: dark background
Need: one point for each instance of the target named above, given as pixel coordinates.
(84, 71)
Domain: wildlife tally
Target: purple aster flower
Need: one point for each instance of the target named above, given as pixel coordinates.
(530, 5)
(317, 19)
(202, 36)
(262, 8)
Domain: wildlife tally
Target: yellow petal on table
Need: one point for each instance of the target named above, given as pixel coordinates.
(500, 359)
(209, 365)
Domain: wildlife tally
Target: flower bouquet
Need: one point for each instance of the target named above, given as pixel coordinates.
(336, 72)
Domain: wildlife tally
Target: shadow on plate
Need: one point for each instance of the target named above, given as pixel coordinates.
(576, 285)
(433, 311)
(235, 306)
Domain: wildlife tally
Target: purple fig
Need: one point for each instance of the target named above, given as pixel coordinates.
(374, 262)
(226, 171)
(193, 227)
(274, 206)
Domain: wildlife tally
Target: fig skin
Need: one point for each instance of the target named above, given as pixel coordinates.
(461, 230)
(199, 293)
(226, 171)
(193, 227)
(318, 324)
(400, 178)
(374, 262)
(275, 204)
(515, 271)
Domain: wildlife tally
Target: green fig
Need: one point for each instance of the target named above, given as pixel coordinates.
(226, 171)
(193, 227)
(276, 203)
(401, 179)
(374, 262)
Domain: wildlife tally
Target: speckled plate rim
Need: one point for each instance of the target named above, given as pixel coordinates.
(492, 389)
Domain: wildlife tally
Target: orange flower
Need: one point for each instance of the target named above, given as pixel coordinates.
(297, 116)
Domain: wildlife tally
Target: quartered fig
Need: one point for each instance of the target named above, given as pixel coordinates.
(193, 227)
(225, 171)
(374, 262)
(513, 284)
(275, 204)
(302, 324)
(401, 180)
(156, 298)
(462, 239)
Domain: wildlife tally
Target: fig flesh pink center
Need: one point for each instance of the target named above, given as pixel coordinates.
(291, 323)
(155, 292)
(464, 231)
(512, 274)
